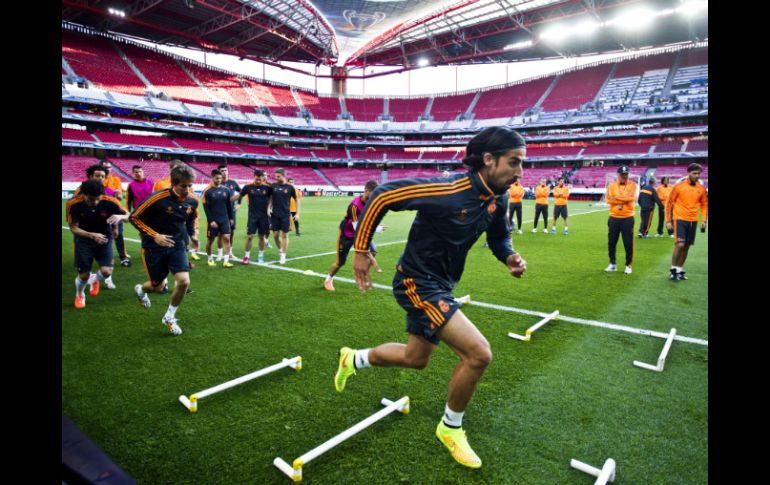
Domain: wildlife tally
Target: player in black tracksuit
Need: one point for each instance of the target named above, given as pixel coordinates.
(648, 199)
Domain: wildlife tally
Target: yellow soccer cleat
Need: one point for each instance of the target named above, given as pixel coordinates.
(227, 264)
(345, 368)
(455, 441)
(211, 262)
(194, 256)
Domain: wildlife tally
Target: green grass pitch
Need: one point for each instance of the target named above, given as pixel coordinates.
(572, 392)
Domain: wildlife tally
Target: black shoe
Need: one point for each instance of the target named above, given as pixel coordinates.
(672, 276)
(165, 289)
(680, 276)
(126, 263)
(189, 290)
(298, 234)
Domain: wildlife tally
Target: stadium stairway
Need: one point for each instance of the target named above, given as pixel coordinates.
(85, 463)
(323, 176)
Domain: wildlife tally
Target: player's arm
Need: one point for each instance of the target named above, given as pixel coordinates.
(499, 240)
(656, 198)
(206, 207)
(140, 217)
(704, 210)
(118, 214)
(670, 205)
(130, 198)
(230, 210)
(190, 222)
(296, 200)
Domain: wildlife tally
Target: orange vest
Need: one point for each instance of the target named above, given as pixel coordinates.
(292, 204)
(621, 199)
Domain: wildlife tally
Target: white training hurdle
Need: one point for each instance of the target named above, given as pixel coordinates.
(191, 403)
(607, 473)
(294, 471)
(528, 334)
(662, 357)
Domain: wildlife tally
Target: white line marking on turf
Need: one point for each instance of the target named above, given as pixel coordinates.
(581, 321)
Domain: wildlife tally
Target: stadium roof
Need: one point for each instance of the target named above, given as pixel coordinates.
(403, 33)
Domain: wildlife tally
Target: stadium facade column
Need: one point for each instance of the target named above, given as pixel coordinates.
(339, 81)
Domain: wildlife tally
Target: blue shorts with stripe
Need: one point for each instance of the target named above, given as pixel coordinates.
(87, 250)
(428, 306)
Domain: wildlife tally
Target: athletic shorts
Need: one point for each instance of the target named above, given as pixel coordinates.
(427, 306)
(87, 250)
(559, 211)
(343, 249)
(279, 222)
(684, 231)
(223, 227)
(158, 262)
(259, 223)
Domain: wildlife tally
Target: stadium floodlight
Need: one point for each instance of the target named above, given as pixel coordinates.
(556, 34)
(586, 27)
(519, 45)
(116, 12)
(692, 7)
(634, 19)
(422, 62)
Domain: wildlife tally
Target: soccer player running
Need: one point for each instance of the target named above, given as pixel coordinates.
(682, 217)
(515, 194)
(452, 213)
(648, 199)
(219, 215)
(621, 196)
(260, 194)
(90, 215)
(541, 204)
(235, 189)
(347, 232)
(113, 182)
(560, 196)
(165, 220)
(279, 211)
(664, 190)
(193, 244)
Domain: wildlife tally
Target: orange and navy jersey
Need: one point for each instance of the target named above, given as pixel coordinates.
(664, 191)
(163, 212)
(541, 194)
(452, 213)
(292, 203)
(162, 184)
(684, 201)
(621, 199)
(560, 195)
(93, 219)
(515, 193)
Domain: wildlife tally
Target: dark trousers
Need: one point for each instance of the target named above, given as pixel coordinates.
(646, 222)
(618, 227)
(517, 209)
(120, 244)
(294, 223)
(541, 209)
(661, 222)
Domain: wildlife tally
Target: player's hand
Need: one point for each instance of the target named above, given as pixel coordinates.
(231, 223)
(703, 226)
(669, 226)
(213, 224)
(99, 238)
(163, 240)
(516, 265)
(115, 218)
(361, 265)
(296, 217)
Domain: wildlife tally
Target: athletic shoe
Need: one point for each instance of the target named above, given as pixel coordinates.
(534, 230)
(345, 368)
(553, 231)
(627, 270)
(680, 276)
(282, 258)
(269, 246)
(671, 236)
(109, 284)
(211, 262)
(641, 235)
(457, 444)
(126, 263)
(194, 256)
(658, 235)
(245, 260)
(170, 323)
(219, 259)
(80, 301)
(519, 231)
(672, 275)
(189, 290)
(545, 231)
(260, 260)
(232, 256)
(165, 289)
(94, 288)
(227, 264)
(144, 300)
(328, 285)
(566, 232)
(611, 268)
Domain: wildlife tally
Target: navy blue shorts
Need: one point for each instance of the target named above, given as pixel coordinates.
(259, 223)
(158, 262)
(279, 222)
(86, 250)
(223, 227)
(427, 306)
(559, 210)
(343, 248)
(684, 231)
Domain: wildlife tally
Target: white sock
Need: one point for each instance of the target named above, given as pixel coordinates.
(227, 258)
(211, 257)
(171, 311)
(566, 228)
(247, 254)
(261, 254)
(219, 253)
(108, 280)
(453, 419)
(678, 269)
(80, 286)
(329, 277)
(361, 359)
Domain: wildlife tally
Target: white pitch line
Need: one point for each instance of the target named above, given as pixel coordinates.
(581, 321)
